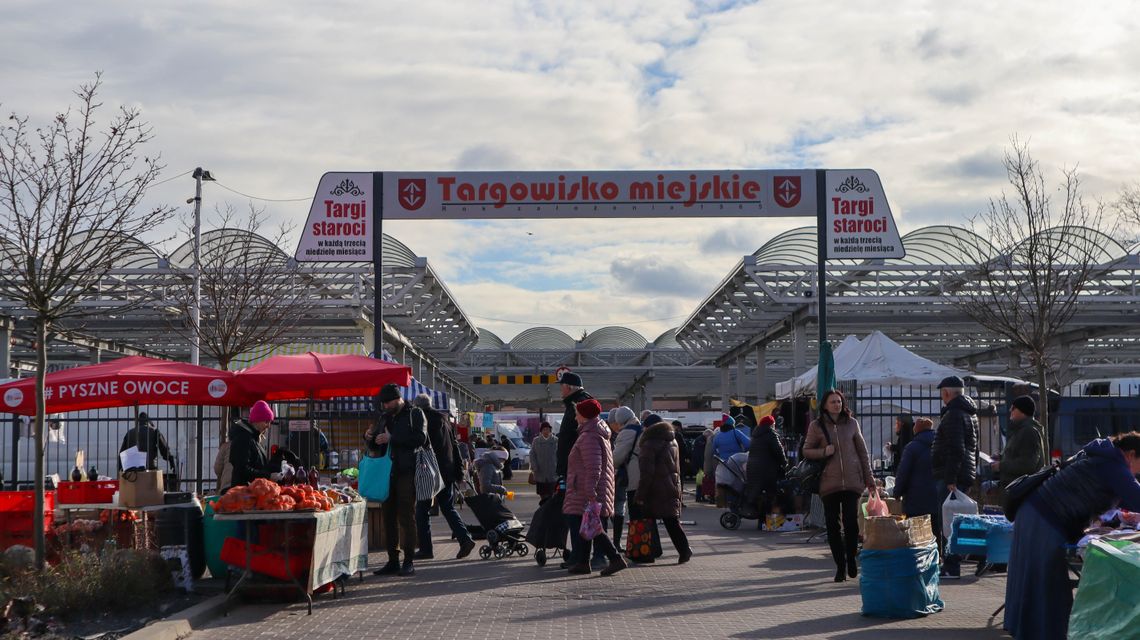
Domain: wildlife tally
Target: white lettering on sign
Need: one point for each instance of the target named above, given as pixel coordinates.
(858, 219)
(339, 227)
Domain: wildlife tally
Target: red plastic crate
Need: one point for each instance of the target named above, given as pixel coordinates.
(16, 516)
(265, 562)
(98, 492)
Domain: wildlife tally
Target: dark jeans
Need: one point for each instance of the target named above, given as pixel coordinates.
(399, 515)
(446, 501)
(676, 535)
(580, 548)
(951, 563)
(845, 545)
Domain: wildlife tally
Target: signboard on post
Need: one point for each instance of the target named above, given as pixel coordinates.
(857, 217)
(339, 228)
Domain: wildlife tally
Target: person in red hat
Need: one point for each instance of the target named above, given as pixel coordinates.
(590, 479)
(766, 465)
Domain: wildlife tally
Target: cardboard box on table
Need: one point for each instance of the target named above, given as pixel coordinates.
(141, 489)
(896, 532)
(894, 508)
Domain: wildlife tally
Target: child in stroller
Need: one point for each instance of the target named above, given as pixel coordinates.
(731, 476)
(504, 531)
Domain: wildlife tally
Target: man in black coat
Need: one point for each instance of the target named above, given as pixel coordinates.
(446, 450)
(149, 440)
(404, 429)
(572, 394)
(954, 453)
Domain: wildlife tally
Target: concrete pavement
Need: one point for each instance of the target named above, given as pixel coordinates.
(740, 584)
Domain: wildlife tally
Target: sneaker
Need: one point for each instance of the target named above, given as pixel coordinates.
(392, 568)
(465, 549)
(407, 569)
(423, 555)
(615, 565)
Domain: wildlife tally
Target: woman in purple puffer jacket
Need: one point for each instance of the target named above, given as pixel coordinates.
(590, 478)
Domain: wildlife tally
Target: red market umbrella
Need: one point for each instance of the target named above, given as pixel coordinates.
(319, 376)
(134, 380)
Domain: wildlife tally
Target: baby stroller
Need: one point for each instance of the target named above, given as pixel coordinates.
(548, 529)
(731, 474)
(504, 531)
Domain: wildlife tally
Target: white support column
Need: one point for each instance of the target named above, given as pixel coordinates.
(761, 373)
(799, 349)
(741, 390)
(725, 383)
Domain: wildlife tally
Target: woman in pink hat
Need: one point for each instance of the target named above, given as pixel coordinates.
(249, 457)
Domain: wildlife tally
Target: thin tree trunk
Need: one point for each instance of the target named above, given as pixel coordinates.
(1043, 404)
(41, 410)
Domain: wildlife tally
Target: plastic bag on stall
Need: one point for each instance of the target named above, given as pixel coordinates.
(1107, 604)
(955, 503)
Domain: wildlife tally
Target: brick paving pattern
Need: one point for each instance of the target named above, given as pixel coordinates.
(740, 584)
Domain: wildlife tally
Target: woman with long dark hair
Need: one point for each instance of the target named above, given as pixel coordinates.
(904, 432)
(836, 437)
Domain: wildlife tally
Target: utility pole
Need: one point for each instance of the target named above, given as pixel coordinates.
(196, 307)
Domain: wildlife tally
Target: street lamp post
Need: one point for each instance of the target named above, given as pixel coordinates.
(196, 307)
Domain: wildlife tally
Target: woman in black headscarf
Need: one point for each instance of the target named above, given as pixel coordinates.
(904, 433)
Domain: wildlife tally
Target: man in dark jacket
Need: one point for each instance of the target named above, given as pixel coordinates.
(149, 440)
(572, 394)
(404, 429)
(766, 465)
(446, 451)
(1024, 451)
(954, 453)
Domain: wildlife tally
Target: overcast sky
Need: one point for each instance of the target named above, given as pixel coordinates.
(270, 95)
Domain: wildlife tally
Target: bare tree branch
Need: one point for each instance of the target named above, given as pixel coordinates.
(69, 208)
(1031, 256)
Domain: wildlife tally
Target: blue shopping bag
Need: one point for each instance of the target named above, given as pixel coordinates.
(375, 477)
(900, 583)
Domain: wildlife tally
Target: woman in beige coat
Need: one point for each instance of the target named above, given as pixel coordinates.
(846, 472)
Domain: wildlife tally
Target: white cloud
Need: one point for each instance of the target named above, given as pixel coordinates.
(270, 95)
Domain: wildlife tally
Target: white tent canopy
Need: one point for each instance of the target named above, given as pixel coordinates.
(806, 381)
(874, 360)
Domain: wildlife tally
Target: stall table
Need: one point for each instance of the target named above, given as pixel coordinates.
(141, 541)
(339, 548)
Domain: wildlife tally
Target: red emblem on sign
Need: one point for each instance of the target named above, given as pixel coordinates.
(412, 192)
(786, 190)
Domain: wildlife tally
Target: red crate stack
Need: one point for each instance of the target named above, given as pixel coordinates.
(16, 516)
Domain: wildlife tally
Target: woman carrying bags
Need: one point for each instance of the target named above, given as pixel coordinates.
(658, 492)
(836, 438)
(590, 479)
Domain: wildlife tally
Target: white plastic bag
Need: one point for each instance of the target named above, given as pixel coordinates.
(957, 502)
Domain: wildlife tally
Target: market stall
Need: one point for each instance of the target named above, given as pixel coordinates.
(287, 539)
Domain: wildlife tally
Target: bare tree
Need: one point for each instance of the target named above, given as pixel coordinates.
(1127, 208)
(253, 294)
(70, 207)
(1032, 255)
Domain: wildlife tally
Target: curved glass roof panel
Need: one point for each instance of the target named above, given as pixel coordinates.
(219, 243)
(1079, 244)
(614, 338)
(488, 340)
(134, 253)
(542, 338)
(667, 340)
(796, 246)
(942, 244)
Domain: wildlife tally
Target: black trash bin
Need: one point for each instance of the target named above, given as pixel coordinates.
(182, 525)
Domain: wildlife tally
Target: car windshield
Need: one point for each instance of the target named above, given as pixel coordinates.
(518, 442)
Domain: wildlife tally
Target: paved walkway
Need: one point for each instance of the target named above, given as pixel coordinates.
(740, 584)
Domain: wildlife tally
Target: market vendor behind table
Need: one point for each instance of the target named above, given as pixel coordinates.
(146, 436)
(1038, 596)
(248, 457)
